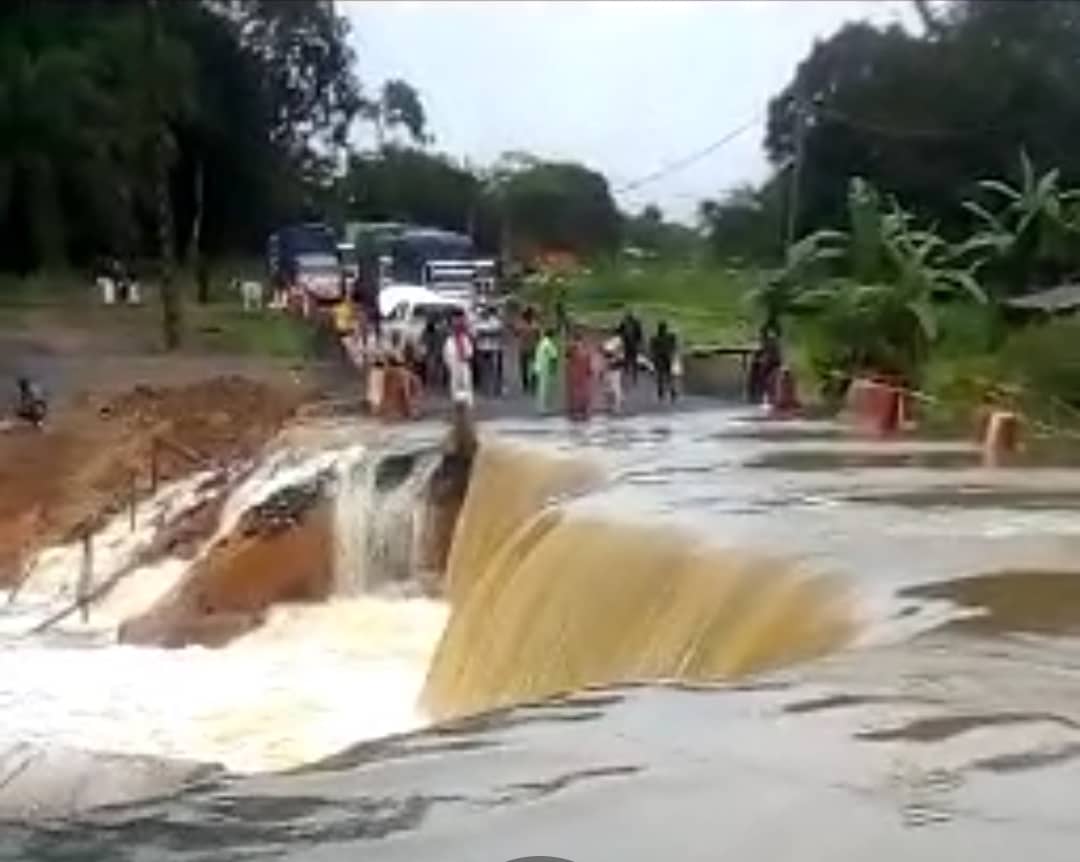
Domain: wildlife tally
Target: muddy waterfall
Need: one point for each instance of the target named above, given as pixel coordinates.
(544, 595)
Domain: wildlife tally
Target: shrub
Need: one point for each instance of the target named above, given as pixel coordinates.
(1045, 360)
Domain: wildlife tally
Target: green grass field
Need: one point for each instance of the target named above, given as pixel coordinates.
(704, 304)
(64, 308)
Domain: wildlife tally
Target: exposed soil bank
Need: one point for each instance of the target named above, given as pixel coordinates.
(83, 465)
(281, 551)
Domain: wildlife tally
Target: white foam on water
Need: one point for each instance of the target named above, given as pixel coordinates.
(352, 513)
(313, 681)
(54, 572)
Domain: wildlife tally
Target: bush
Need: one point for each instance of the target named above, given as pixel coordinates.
(1045, 360)
(1036, 370)
(966, 329)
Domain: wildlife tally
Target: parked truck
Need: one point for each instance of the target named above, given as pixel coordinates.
(304, 258)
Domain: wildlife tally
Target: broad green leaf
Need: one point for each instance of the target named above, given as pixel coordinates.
(1001, 188)
(984, 214)
(924, 313)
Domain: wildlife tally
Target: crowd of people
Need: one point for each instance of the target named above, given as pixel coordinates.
(560, 365)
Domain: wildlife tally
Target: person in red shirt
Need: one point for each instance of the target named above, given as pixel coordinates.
(579, 377)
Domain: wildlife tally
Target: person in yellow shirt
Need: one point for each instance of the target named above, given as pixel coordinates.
(344, 318)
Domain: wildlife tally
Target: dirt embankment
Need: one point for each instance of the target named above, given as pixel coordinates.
(281, 551)
(81, 467)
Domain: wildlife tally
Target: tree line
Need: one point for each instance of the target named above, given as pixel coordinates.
(251, 105)
(927, 117)
(247, 102)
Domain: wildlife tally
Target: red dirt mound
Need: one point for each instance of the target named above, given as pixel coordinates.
(82, 465)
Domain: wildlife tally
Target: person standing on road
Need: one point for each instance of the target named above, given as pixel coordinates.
(365, 294)
(579, 377)
(432, 339)
(611, 376)
(458, 357)
(766, 362)
(663, 349)
(345, 319)
(489, 352)
(631, 335)
(528, 335)
(545, 366)
(401, 387)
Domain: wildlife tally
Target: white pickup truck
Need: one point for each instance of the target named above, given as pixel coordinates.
(406, 309)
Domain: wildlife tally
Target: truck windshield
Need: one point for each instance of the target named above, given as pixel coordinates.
(316, 262)
(412, 250)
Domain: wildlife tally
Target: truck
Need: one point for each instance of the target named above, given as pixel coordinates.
(305, 257)
(402, 253)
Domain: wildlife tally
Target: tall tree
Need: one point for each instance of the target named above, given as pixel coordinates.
(559, 205)
(925, 116)
(160, 146)
(402, 184)
(398, 106)
(648, 231)
(746, 224)
(253, 100)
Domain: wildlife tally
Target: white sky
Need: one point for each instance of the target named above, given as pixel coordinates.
(624, 87)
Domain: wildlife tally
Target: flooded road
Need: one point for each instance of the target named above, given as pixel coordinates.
(927, 709)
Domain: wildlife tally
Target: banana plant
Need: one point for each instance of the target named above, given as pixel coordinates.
(1028, 228)
(881, 307)
(782, 292)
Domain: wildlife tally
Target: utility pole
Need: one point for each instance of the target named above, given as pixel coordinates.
(796, 168)
(170, 301)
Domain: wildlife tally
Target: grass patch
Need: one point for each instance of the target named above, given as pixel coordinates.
(45, 289)
(226, 328)
(705, 304)
(1034, 370)
(64, 307)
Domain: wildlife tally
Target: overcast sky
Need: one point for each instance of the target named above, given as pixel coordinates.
(625, 87)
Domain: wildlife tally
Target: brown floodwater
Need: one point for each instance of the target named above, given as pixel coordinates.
(704, 636)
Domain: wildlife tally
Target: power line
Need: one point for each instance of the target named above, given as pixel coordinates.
(686, 161)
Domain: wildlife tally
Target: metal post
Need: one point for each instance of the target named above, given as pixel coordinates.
(86, 574)
(132, 480)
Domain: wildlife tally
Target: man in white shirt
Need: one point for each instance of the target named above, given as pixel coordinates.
(458, 357)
